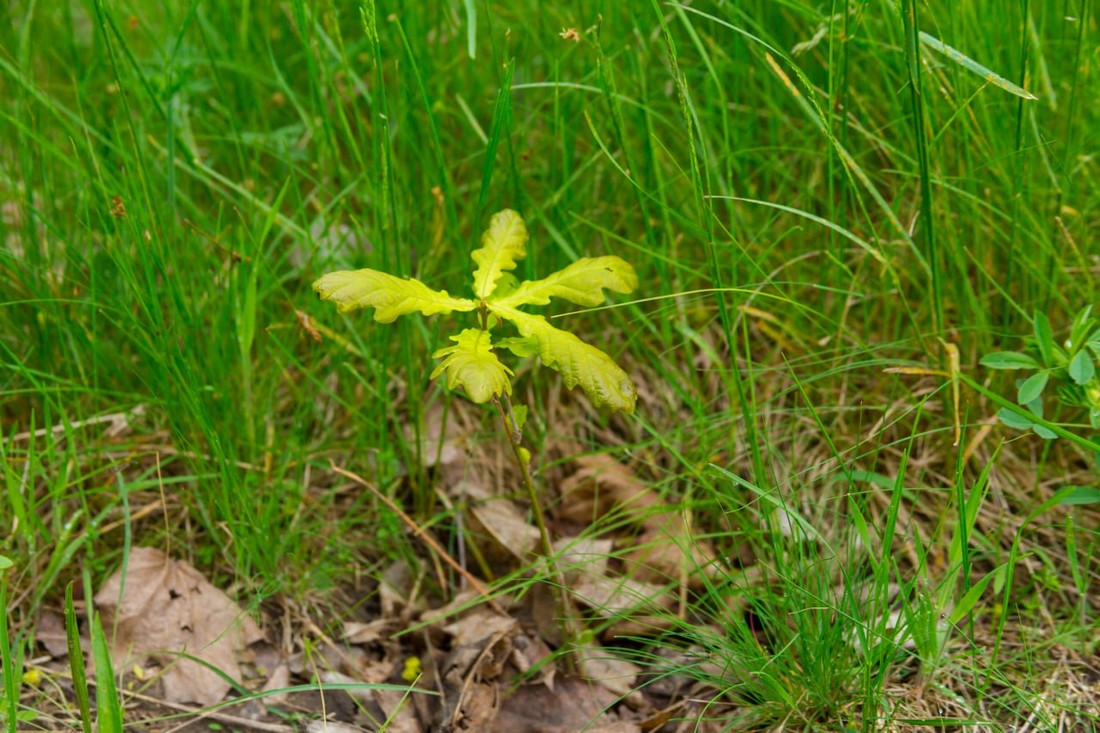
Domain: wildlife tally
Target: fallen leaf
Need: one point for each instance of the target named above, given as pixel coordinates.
(667, 551)
(599, 665)
(164, 608)
(600, 484)
(636, 608)
(400, 713)
(501, 519)
(572, 706)
(579, 556)
(331, 726)
(357, 632)
(51, 634)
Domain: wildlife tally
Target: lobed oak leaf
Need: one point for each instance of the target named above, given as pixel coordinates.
(389, 296)
(582, 283)
(502, 245)
(604, 381)
(472, 365)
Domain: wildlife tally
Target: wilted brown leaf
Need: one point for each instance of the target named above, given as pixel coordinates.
(163, 608)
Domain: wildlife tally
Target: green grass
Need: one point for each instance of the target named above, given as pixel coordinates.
(810, 193)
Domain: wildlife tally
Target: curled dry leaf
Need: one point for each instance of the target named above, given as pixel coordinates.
(164, 608)
(580, 556)
(357, 632)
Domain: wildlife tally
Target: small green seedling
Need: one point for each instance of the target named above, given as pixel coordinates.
(472, 363)
(1070, 367)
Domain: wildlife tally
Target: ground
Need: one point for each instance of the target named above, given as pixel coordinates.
(857, 488)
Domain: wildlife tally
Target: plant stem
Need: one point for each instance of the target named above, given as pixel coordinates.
(569, 625)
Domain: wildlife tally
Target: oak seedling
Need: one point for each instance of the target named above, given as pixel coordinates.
(472, 362)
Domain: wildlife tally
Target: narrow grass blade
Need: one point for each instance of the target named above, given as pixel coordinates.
(108, 708)
(974, 67)
(76, 662)
(502, 121)
(471, 28)
(7, 665)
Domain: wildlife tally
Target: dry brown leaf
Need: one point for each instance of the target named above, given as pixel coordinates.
(478, 708)
(501, 519)
(331, 726)
(357, 632)
(669, 552)
(667, 549)
(278, 678)
(481, 645)
(573, 705)
(599, 665)
(400, 713)
(620, 596)
(51, 634)
(579, 556)
(600, 484)
(167, 606)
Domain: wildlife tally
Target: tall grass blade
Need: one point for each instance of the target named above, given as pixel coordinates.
(76, 662)
(973, 66)
(108, 707)
(7, 664)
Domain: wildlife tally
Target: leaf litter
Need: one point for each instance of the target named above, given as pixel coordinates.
(485, 667)
(165, 611)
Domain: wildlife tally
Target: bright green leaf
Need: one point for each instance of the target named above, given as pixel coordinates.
(966, 604)
(1044, 338)
(502, 245)
(472, 365)
(1081, 369)
(1013, 419)
(581, 282)
(519, 415)
(390, 296)
(522, 347)
(1044, 432)
(605, 383)
(974, 67)
(1032, 387)
(5, 563)
(108, 707)
(1009, 360)
(1081, 495)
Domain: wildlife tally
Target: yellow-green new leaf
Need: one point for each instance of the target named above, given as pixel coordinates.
(502, 245)
(389, 296)
(472, 365)
(582, 282)
(605, 383)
